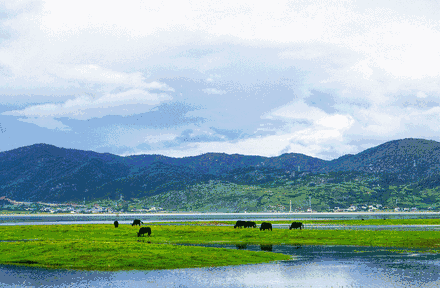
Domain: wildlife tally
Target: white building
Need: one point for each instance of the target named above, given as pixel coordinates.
(352, 208)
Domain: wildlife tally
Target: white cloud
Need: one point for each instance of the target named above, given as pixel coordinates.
(324, 133)
(45, 122)
(326, 136)
(129, 137)
(338, 122)
(159, 138)
(82, 108)
(95, 73)
(296, 110)
(309, 53)
(363, 68)
(370, 54)
(214, 91)
(62, 40)
(158, 86)
(213, 77)
(420, 94)
(312, 142)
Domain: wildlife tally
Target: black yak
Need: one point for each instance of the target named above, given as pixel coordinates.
(266, 247)
(265, 226)
(249, 224)
(144, 230)
(137, 222)
(296, 225)
(239, 224)
(116, 224)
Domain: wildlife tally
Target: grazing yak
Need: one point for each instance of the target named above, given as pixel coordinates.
(250, 224)
(116, 224)
(144, 230)
(239, 224)
(298, 246)
(266, 226)
(266, 247)
(137, 222)
(241, 246)
(296, 225)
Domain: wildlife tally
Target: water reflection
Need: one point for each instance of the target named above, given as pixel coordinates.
(16, 276)
(315, 266)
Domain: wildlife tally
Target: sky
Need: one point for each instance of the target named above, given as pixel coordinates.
(184, 78)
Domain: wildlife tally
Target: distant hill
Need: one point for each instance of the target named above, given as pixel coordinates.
(218, 163)
(409, 159)
(44, 172)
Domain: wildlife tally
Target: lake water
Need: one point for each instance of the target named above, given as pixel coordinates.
(311, 266)
(178, 217)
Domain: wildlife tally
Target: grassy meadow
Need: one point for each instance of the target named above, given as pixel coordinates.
(103, 247)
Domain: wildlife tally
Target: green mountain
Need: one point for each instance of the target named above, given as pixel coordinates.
(405, 170)
(407, 159)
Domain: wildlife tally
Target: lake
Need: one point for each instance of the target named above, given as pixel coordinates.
(179, 217)
(311, 266)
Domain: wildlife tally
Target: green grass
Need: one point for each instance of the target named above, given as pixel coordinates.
(7, 212)
(103, 247)
(124, 255)
(219, 234)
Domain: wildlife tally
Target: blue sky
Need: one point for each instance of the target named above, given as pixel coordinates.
(183, 78)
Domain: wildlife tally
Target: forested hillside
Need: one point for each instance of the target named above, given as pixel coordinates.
(404, 170)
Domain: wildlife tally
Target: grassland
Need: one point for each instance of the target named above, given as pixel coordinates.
(117, 255)
(103, 247)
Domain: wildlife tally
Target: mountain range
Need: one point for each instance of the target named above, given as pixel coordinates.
(43, 172)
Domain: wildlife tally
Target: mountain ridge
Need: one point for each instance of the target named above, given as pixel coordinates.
(46, 172)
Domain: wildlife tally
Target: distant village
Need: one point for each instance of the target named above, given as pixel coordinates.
(135, 206)
(375, 208)
(42, 207)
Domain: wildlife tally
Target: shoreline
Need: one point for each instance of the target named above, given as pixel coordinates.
(220, 214)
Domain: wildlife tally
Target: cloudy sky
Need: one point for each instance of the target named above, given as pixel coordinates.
(183, 78)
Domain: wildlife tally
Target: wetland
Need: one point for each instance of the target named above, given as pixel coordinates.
(175, 255)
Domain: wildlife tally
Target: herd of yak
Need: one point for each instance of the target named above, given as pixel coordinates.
(265, 225)
(142, 231)
(238, 224)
